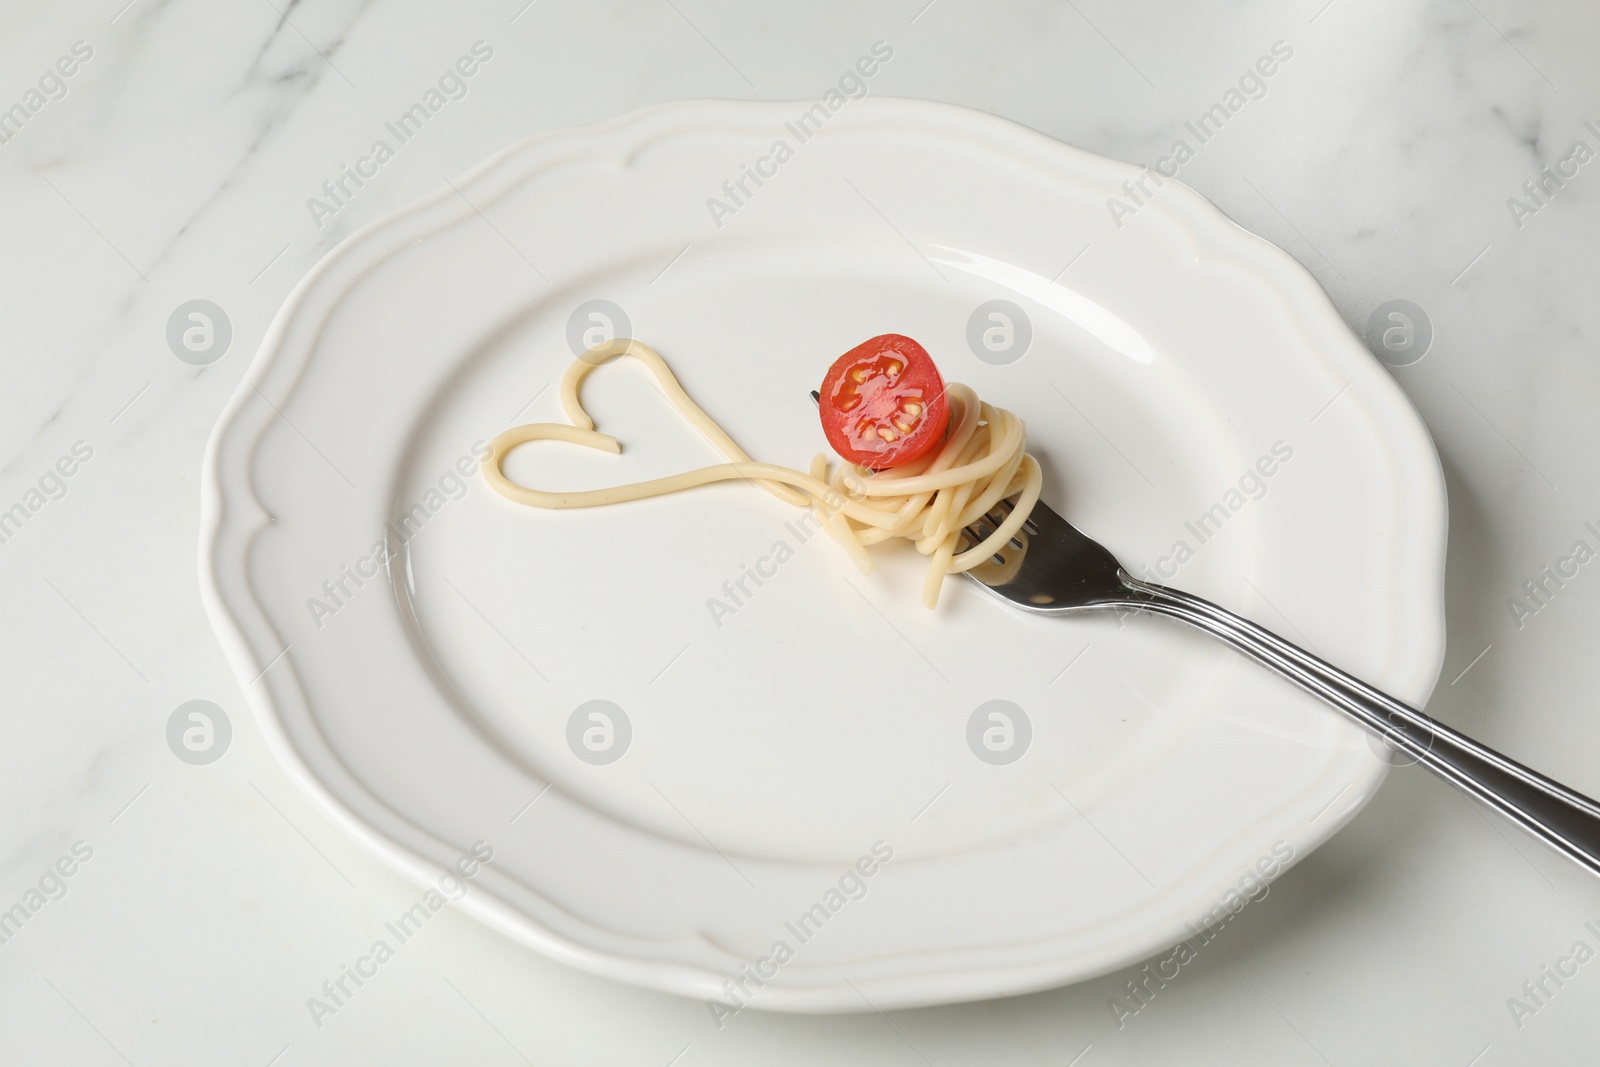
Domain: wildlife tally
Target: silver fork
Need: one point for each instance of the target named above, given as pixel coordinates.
(1052, 568)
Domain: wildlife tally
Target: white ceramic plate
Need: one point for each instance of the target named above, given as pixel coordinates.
(771, 749)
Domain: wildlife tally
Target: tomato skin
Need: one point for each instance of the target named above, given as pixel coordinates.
(883, 403)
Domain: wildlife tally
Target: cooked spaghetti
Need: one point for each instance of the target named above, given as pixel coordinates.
(982, 460)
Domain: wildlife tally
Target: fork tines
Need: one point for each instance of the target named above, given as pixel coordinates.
(986, 525)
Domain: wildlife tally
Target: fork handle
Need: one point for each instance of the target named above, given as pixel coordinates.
(1564, 819)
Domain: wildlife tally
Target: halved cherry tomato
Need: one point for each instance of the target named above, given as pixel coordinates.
(883, 403)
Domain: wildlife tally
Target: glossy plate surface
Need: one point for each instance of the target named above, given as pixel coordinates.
(1196, 402)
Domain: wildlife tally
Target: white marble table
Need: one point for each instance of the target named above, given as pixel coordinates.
(206, 904)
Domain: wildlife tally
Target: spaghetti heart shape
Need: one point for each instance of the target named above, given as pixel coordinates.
(775, 479)
(929, 501)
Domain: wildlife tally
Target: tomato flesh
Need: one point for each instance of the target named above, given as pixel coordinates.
(883, 403)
